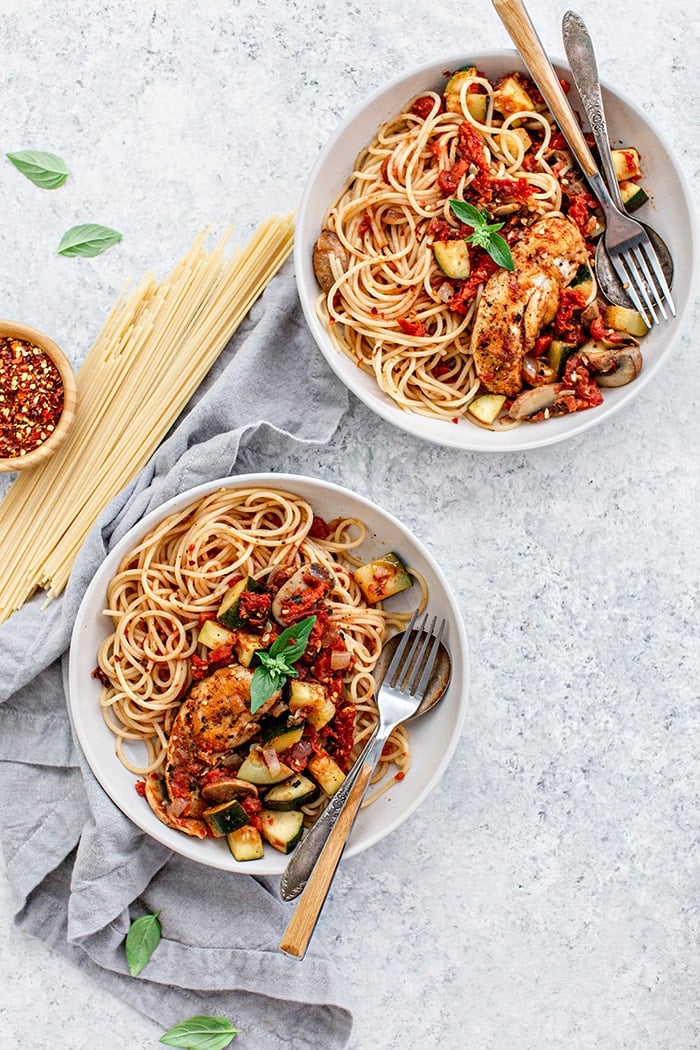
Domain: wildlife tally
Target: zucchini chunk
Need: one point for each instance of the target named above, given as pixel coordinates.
(246, 843)
(326, 772)
(486, 407)
(624, 319)
(583, 281)
(559, 354)
(291, 794)
(246, 645)
(278, 734)
(309, 699)
(282, 828)
(633, 196)
(256, 770)
(381, 578)
(228, 610)
(511, 97)
(477, 104)
(453, 88)
(212, 635)
(229, 816)
(511, 139)
(626, 163)
(453, 258)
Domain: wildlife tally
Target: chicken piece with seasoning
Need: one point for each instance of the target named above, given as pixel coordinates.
(214, 719)
(517, 304)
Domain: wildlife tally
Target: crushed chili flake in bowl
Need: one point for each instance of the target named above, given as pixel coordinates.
(37, 396)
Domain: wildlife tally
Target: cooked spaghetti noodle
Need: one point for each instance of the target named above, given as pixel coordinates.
(175, 578)
(386, 301)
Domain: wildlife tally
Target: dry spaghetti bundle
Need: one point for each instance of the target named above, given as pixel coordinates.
(155, 348)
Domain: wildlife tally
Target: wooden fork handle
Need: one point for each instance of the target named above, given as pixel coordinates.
(523, 34)
(301, 926)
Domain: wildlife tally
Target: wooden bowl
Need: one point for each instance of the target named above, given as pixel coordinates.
(16, 330)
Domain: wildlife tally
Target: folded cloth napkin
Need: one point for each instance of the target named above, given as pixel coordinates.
(79, 870)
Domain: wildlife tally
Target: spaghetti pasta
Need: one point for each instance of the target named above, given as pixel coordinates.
(173, 582)
(156, 346)
(401, 288)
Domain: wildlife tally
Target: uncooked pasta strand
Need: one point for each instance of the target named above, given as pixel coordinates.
(155, 347)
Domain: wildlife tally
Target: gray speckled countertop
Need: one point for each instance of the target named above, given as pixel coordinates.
(544, 896)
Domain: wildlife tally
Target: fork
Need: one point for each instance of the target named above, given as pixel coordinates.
(399, 696)
(626, 241)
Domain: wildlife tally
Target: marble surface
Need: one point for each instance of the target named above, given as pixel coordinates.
(545, 895)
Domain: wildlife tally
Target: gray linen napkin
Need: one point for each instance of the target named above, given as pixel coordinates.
(79, 870)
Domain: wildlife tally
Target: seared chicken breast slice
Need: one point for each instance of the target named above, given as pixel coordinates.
(517, 304)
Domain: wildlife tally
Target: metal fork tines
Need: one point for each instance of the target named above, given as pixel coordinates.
(634, 259)
(414, 657)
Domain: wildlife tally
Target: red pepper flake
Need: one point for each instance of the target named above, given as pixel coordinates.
(31, 397)
(400, 775)
(140, 786)
(100, 676)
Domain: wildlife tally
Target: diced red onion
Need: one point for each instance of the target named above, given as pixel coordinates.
(271, 760)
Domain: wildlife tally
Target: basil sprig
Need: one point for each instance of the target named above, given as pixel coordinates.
(201, 1033)
(45, 170)
(276, 665)
(484, 234)
(141, 942)
(88, 240)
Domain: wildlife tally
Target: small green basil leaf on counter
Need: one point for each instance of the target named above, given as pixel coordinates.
(201, 1033)
(141, 941)
(87, 240)
(45, 170)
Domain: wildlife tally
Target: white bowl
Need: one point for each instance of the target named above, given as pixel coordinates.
(433, 737)
(671, 213)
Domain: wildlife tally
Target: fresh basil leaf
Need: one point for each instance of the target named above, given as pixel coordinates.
(484, 234)
(43, 169)
(201, 1033)
(141, 941)
(467, 213)
(87, 240)
(293, 641)
(263, 684)
(500, 252)
(275, 664)
(480, 237)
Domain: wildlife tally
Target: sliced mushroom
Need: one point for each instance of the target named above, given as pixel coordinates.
(535, 400)
(612, 365)
(304, 579)
(327, 245)
(228, 789)
(591, 313)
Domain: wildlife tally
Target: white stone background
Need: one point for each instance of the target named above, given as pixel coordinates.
(545, 895)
